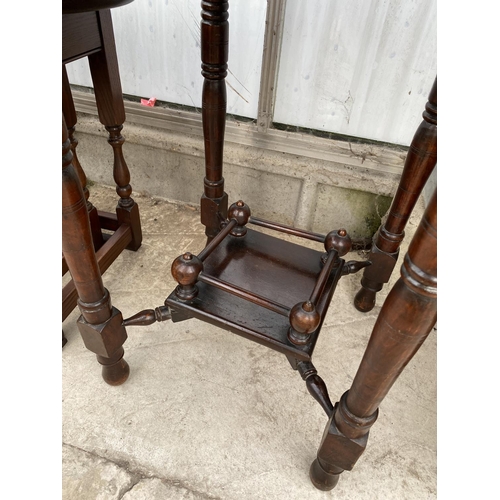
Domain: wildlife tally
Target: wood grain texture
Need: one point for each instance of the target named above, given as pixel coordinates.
(265, 266)
(80, 34)
(405, 320)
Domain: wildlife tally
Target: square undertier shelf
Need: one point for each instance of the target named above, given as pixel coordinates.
(282, 272)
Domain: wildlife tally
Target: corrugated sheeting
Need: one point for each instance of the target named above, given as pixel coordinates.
(158, 45)
(361, 68)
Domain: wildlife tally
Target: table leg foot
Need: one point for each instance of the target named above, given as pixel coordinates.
(365, 299)
(321, 479)
(115, 371)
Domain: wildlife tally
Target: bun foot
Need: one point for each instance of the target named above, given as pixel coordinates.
(114, 373)
(364, 301)
(321, 479)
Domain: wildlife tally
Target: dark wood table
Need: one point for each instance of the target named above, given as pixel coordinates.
(258, 286)
(87, 31)
(277, 293)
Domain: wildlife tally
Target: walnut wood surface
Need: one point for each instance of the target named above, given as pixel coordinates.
(81, 36)
(90, 34)
(74, 6)
(106, 255)
(266, 266)
(108, 220)
(100, 323)
(405, 320)
(214, 55)
(246, 281)
(106, 76)
(69, 112)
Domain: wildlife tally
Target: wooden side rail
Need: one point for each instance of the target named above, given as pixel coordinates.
(331, 260)
(304, 318)
(282, 228)
(217, 239)
(244, 294)
(106, 255)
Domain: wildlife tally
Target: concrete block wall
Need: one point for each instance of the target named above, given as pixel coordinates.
(309, 193)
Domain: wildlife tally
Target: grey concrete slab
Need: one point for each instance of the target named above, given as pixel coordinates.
(90, 477)
(207, 414)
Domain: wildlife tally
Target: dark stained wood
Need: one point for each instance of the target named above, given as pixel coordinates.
(106, 75)
(244, 294)
(405, 320)
(214, 55)
(316, 386)
(319, 286)
(217, 240)
(90, 34)
(301, 233)
(81, 35)
(108, 220)
(420, 162)
(69, 112)
(239, 212)
(74, 6)
(148, 317)
(264, 267)
(106, 255)
(64, 266)
(277, 293)
(304, 316)
(100, 323)
(109, 100)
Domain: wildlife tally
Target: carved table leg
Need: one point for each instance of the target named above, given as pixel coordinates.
(420, 162)
(69, 112)
(214, 54)
(100, 324)
(405, 320)
(109, 99)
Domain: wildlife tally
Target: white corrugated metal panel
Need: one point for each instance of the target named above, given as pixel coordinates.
(362, 68)
(158, 45)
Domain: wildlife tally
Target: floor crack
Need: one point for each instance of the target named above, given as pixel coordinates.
(136, 475)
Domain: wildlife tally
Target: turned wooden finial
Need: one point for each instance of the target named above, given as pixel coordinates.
(121, 172)
(304, 319)
(240, 212)
(185, 270)
(338, 240)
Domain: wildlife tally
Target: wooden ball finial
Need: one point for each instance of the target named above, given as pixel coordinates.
(338, 240)
(304, 319)
(240, 212)
(186, 268)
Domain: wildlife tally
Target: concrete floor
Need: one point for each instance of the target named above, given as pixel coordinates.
(206, 414)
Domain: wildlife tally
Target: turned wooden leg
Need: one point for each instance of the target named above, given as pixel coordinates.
(100, 323)
(109, 99)
(405, 320)
(214, 54)
(420, 162)
(69, 112)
